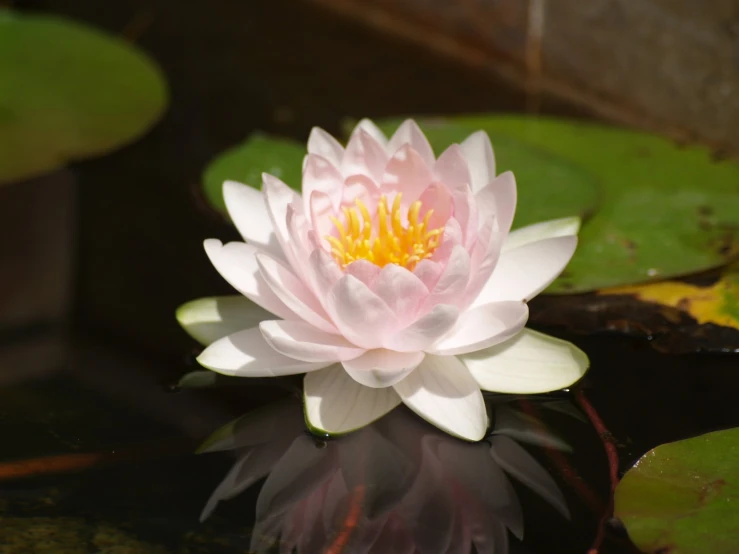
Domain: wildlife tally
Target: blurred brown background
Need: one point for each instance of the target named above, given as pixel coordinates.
(282, 66)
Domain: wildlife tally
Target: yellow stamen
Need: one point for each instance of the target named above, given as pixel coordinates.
(385, 241)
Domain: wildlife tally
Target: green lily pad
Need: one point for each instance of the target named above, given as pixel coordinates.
(68, 92)
(682, 497)
(664, 211)
(246, 162)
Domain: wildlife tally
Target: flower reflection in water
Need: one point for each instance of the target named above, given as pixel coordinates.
(396, 486)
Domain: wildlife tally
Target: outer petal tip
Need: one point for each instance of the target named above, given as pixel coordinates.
(529, 363)
(212, 246)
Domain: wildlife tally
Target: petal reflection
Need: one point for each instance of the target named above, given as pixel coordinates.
(397, 485)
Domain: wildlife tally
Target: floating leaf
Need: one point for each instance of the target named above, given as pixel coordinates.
(246, 162)
(716, 303)
(696, 313)
(681, 498)
(68, 92)
(664, 211)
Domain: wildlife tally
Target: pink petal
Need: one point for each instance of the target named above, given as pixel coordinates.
(300, 246)
(452, 168)
(438, 198)
(381, 368)
(524, 272)
(359, 187)
(302, 341)
(428, 272)
(401, 291)
(410, 133)
(480, 159)
(324, 273)
(248, 210)
(450, 238)
(321, 175)
(321, 211)
(360, 314)
(408, 173)
(484, 257)
(288, 288)
(247, 354)
(452, 283)
(368, 126)
(278, 197)
(483, 327)
(363, 270)
(363, 156)
(323, 144)
(465, 212)
(237, 264)
(498, 199)
(424, 331)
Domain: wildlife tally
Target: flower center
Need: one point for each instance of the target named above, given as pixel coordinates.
(386, 240)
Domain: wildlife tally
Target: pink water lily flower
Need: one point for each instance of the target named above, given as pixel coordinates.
(394, 278)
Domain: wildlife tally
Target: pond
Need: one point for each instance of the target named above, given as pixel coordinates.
(107, 451)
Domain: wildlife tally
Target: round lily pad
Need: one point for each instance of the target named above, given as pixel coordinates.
(681, 498)
(664, 210)
(67, 92)
(246, 162)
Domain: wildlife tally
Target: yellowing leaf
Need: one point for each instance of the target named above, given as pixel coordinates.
(717, 303)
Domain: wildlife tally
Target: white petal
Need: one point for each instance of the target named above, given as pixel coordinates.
(322, 143)
(247, 354)
(304, 342)
(248, 210)
(482, 327)
(360, 314)
(425, 330)
(540, 231)
(528, 363)
(523, 273)
(209, 319)
(237, 264)
(410, 133)
(335, 403)
(498, 199)
(480, 159)
(380, 368)
(443, 392)
(296, 296)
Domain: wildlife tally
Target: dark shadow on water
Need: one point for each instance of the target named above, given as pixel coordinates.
(104, 446)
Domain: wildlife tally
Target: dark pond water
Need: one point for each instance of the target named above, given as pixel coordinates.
(99, 449)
